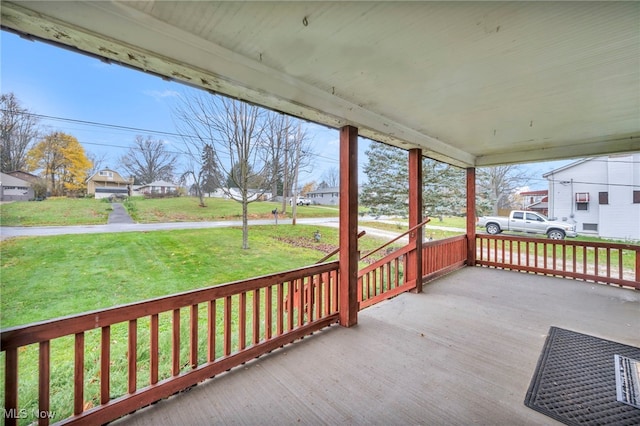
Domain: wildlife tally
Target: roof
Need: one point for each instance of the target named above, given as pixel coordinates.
(8, 180)
(538, 192)
(327, 190)
(103, 178)
(469, 83)
(159, 183)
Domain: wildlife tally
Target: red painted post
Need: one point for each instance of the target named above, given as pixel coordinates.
(348, 295)
(414, 261)
(471, 216)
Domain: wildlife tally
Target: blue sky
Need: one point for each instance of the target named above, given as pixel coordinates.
(62, 85)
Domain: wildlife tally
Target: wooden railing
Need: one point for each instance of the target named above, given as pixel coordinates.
(384, 278)
(387, 278)
(609, 263)
(443, 256)
(117, 360)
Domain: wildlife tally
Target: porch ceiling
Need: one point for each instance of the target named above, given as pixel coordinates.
(472, 84)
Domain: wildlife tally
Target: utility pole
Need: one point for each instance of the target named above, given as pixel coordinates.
(294, 204)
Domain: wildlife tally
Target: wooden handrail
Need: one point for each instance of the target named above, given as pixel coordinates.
(338, 249)
(427, 220)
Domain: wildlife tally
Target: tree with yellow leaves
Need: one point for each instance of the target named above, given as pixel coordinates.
(62, 161)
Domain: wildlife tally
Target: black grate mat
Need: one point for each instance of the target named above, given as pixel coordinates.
(575, 380)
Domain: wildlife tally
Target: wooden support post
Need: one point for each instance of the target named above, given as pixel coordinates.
(471, 216)
(414, 263)
(348, 295)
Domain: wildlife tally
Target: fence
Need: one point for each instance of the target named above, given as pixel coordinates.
(178, 341)
(609, 263)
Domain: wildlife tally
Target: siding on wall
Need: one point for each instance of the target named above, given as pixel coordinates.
(617, 176)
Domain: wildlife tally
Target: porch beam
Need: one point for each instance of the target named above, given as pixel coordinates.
(348, 294)
(471, 216)
(414, 262)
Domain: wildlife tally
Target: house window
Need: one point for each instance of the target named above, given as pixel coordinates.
(590, 227)
(582, 201)
(603, 197)
(636, 197)
(106, 173)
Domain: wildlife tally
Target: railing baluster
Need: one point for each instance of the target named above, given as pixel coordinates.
(242, 321)
(290, 298)
(193, 326)
(280, 309)
(301, 305)
(256, 317)
(227, 326)
(175, 343)
(154, 349)
(268, 312)
(608, 262)
(44, 375)
(78, 374)
(11, 385)
(132, 356)
(105, 361)
(620, 268)
(211, 327)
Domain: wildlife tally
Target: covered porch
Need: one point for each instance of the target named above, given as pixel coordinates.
(461, 352)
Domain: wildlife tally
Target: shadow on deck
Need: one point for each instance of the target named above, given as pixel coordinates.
(461, 352)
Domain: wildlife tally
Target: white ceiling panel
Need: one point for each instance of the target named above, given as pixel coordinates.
(471, 83)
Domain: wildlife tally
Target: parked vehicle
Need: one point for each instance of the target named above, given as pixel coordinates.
(301, 201)
(530, 222)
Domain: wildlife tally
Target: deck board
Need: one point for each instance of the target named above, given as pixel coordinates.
(461, 352)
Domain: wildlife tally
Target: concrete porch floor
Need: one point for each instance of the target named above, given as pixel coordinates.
(462, 352)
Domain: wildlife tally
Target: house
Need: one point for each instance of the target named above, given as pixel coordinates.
(15, 189)
(235, 194)
(602, 195)
(158, 187)
(537, 201)
(326, 196)
(107, 182)
(21, 174)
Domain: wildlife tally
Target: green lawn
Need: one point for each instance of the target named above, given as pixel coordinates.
(87, 211)
(55, 211)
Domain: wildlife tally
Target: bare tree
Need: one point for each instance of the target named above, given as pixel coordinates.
(18, 131)
(97, 161)
(235, 131)
(331, 177)
(497, 184)
(148, 160)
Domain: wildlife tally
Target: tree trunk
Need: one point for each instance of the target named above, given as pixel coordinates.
(245, 224)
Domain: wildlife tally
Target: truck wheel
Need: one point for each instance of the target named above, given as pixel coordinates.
(493, 229)
(556, 234)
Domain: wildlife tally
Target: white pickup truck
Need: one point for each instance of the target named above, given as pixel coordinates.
(530, 222)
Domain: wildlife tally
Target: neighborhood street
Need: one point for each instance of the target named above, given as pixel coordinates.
(120, 221)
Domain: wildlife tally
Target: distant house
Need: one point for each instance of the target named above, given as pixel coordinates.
(235, 194)
(327, 196)
(107, 183)
(21, 174)
(537, 201)
(159, 187)
(15, 189)
(601, 195)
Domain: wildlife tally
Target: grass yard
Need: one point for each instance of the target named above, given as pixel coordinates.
(88, 211)
(187, 209)
(55, 211)
(49, 277)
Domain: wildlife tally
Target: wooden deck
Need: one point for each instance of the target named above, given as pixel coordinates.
(461, 352)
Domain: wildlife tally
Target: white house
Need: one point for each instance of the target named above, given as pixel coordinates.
(15, 189)
(327, 196)
(602, 195)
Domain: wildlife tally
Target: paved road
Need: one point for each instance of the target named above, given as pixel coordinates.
(120, 221)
